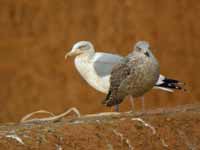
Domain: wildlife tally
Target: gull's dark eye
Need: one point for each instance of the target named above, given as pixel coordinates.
(139, 49)
(84, 47)
(147, 54)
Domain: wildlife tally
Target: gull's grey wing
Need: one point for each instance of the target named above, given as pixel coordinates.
(119, 73)
(104, 62)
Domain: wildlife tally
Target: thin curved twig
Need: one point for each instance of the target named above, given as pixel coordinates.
(52, 118)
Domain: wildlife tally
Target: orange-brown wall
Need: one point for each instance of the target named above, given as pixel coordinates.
(35, 35)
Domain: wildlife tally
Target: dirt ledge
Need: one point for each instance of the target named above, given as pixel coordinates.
(176, 128)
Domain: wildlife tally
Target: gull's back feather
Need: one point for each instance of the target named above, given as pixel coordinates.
(104, 62)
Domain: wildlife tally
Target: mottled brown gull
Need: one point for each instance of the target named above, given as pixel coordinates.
(135, 75)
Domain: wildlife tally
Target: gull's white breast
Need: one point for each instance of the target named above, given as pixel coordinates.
(87, 70)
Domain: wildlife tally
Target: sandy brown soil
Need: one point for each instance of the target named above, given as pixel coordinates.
(158, 129)
(35, 35)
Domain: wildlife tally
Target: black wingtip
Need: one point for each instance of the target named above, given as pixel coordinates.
(110, 101)
(173, 84)
(106, 100)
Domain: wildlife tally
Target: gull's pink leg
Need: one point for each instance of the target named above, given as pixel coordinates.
(132, 103)
(142, 103)
(116, 108)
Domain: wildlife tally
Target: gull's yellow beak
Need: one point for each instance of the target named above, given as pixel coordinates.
(73, 52)
(68, 54)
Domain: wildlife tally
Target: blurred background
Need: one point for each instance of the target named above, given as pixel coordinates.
(35, 35)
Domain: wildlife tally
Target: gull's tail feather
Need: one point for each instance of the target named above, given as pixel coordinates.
(170, 85)
(111, 101)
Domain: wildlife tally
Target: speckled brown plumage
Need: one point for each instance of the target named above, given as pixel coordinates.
(135, 75)
(118, 74)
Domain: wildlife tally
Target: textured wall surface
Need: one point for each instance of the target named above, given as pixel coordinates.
(35, 35)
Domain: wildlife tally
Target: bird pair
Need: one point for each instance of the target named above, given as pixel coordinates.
(119, 76)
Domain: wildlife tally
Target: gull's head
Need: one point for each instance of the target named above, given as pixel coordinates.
(143, 47)
(80, 47)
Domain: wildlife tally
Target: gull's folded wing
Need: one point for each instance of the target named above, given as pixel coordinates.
(103, 63)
